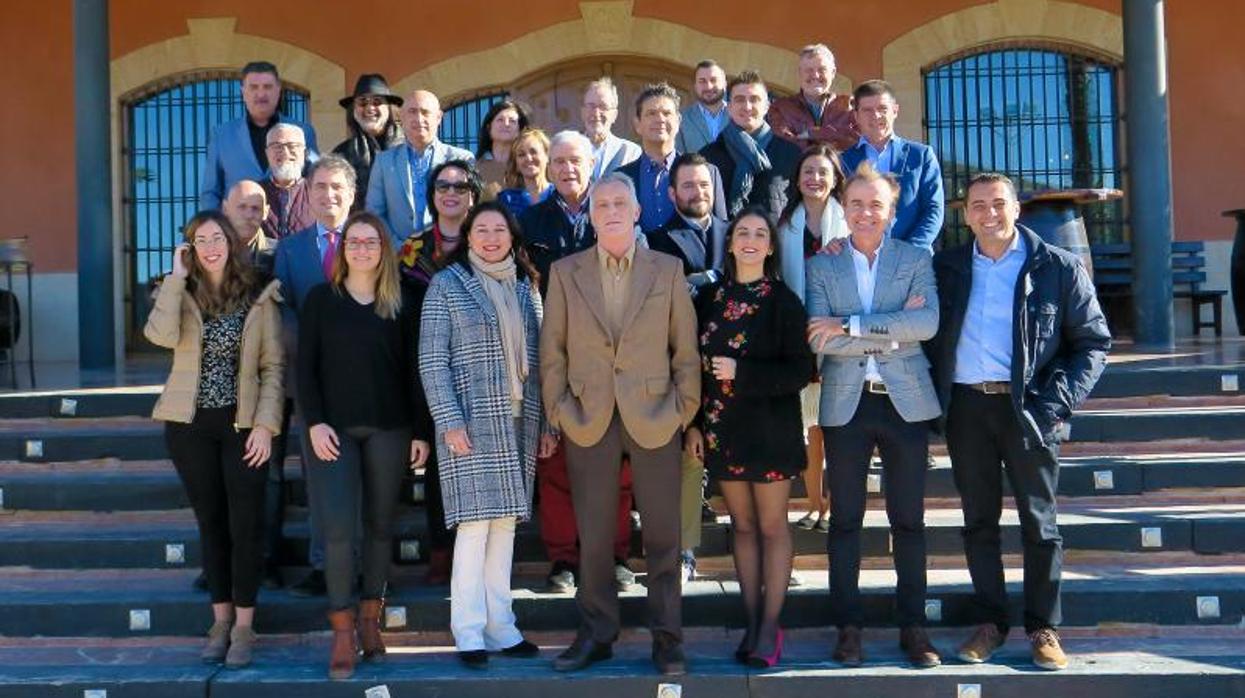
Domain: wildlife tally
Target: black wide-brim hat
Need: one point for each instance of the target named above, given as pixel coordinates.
(372, 84)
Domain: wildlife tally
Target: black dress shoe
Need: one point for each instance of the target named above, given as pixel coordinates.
(523, 649)
(582, 653)
(474, 659)
(668, 656)
(312, 585)
(200, 582)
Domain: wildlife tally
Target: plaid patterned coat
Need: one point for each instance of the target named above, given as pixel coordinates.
(465, 382)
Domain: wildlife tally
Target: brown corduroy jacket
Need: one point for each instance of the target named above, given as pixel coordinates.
(176, 323)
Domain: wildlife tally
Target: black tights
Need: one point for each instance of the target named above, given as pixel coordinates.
(371, 462)
(762, 551)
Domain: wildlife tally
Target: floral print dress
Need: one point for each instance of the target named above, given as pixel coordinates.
(725, 331)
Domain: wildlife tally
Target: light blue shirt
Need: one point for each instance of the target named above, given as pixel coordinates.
(421, 165)
(322, 238)
(866, 282)
(655, 204)
(882, 160)
(984, 352)
(715, 122)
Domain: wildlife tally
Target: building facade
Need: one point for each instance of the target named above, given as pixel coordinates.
(1034, 88)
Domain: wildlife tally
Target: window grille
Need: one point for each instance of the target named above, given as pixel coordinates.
(461, 125)
(1045, 118)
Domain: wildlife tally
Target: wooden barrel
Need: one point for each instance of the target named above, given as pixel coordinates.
(1059, 223)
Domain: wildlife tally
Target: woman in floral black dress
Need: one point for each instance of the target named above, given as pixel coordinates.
(750, 432)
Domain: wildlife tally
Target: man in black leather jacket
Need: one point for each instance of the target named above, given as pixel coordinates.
(1021, 345)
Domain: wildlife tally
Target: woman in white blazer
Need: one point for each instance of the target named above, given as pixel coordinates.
(812, 219)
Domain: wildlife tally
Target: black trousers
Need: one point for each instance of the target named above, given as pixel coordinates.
(274, 499)
(904, 447)
(368, 475)
(228, 501)
(985, 439)
(439, 537)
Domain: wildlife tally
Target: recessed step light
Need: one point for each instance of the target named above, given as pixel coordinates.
(175, 553)
(140, 619)
(395, 617)
(1207, 607)
(1151, 537)
(68, 407)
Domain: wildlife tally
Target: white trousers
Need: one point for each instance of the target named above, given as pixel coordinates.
(481, 613)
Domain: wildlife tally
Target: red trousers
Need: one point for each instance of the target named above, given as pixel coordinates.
(557, 514)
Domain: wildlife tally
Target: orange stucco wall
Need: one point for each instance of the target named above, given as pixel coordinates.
(1206, 61)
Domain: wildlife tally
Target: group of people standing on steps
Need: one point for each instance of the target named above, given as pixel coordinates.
(748, 293)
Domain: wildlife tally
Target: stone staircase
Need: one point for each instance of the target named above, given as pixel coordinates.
(98, 549)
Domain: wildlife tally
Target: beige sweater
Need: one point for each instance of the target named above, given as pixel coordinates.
(176, 323)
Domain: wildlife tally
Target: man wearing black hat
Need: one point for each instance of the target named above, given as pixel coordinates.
(370, 119)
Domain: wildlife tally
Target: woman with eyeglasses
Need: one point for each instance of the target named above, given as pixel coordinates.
(221, 407)
(367, 420)
(454, 187)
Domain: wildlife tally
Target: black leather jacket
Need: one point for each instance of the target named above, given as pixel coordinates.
(1059, 338)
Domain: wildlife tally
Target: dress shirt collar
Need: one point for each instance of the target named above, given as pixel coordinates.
(616, 266)
(862, 257)
(1017, 245)
(695, 225)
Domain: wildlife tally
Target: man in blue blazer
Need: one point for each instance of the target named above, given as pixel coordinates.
(236, 149)
(398, 183)
(704, 120)
(870, 306)
(300, 265)
(919, 211)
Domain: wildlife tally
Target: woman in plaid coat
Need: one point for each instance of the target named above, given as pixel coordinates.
(478, 359)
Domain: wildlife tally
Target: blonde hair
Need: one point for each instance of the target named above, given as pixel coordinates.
(388, 281)
(513, 178)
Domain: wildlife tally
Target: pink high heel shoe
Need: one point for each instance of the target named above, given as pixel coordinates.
(757, 661)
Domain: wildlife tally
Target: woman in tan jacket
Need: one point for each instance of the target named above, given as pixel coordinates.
(221, 407)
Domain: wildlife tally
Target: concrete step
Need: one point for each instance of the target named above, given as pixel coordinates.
(1140, 663)
(110, 484)
(127, 603)
(170, 539)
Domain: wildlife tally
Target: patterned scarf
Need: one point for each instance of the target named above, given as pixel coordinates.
(748, 152)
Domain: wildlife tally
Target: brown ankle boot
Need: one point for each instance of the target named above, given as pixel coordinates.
(370, 611)
(345, 651)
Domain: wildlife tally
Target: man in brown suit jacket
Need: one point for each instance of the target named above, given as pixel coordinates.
(815, 114)
(620, 375)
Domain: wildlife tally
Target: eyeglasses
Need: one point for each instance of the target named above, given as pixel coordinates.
(214, 241)
(369, 244)
(444, 187)
(370, 102)
(291, 147)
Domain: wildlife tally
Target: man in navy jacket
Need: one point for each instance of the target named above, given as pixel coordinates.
(919, 211)
(1021, 344)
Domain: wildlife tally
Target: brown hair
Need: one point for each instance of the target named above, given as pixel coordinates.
(772, 267)
(513, 177)
(388, 284)
(794, 198)
(747, 77)
(239, 285)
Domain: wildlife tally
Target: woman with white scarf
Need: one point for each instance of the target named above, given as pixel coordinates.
(480, 368)
(811, 221)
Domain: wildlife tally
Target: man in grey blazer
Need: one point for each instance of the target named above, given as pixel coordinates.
(599, 112)
(870, 306)
(236, 148)
(399, 179)
(704, 120)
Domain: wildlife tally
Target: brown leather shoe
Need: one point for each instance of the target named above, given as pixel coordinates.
(373, 646)
(1047, 653)
(345, 651)
(917, 648)
(981, 646)
(848, 652)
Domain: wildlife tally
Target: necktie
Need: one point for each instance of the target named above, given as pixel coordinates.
(330, 251)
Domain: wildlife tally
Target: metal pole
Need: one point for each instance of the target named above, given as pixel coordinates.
(1149, 172)
(96, 349)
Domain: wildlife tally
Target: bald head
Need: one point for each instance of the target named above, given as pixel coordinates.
(421, 116)
(246, 207)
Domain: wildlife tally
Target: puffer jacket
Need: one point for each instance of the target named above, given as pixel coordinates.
(176, 323)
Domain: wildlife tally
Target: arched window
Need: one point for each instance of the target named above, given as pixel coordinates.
(1046, 118)
(166, 133)
(461, 125)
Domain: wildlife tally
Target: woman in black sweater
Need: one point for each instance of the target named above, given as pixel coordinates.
(358, 380)
(749, 431)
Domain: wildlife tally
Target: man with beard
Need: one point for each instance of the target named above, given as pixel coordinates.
(285, 186)
(371, 120)
(696, 235)
(599, 112)
(236, 148)
(703, 121)
(816, 114)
